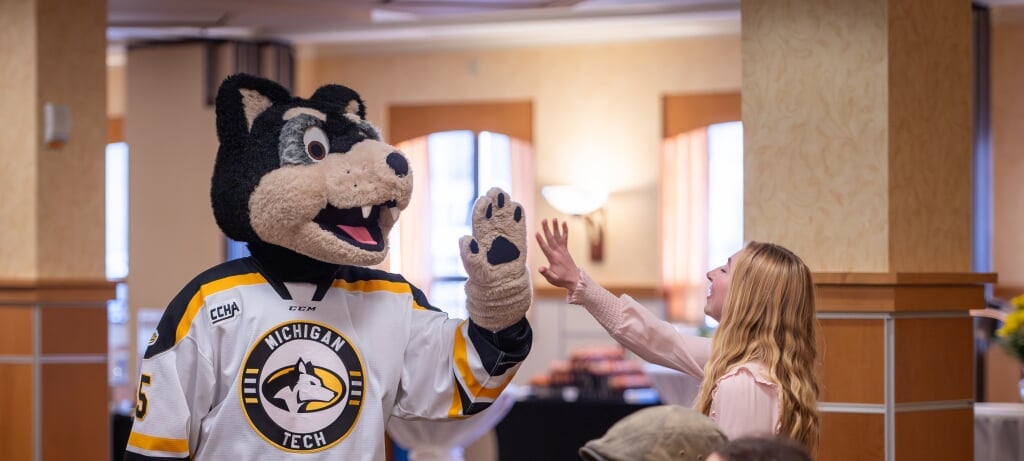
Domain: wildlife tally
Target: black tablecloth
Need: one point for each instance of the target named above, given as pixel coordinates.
(554, 430)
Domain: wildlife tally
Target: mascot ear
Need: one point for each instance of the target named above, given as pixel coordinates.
(341, 96)
(240, 99)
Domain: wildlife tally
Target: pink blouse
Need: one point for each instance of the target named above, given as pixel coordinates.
(745, 401)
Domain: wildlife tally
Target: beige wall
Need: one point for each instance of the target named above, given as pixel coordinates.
(115, 90)
(1007, 139)
(597, 117)
(172, 140)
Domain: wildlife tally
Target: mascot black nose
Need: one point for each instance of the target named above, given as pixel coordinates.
(397, 162)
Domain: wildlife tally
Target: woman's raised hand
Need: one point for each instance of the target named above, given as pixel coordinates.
(561, 270)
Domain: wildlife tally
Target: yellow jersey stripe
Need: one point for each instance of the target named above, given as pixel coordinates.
(474, 387)
(209, 289)
(154, 443)
(377, 285)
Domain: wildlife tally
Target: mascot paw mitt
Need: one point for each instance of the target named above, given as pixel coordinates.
(301, 351)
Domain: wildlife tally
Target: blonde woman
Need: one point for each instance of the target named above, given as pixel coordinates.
(758, 372)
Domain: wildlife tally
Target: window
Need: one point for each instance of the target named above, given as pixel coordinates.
(463, 165)
(725, 191)
(116, 211)
(122, 395)
(725, 194)
(236, 249)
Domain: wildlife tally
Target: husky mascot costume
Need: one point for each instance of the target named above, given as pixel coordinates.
(301, 351)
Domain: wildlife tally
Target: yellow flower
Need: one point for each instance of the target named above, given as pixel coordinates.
(1012, 324)
(1018, 302)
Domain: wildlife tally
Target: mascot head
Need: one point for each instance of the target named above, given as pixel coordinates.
(307, 175)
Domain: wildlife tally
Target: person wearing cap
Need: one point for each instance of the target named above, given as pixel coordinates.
(760, 449)
(658, 433)
(758, 371)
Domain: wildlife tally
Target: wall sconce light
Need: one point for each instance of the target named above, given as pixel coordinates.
(582, 203)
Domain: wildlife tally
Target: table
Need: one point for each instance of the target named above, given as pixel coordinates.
(554, 430)
(999, 432)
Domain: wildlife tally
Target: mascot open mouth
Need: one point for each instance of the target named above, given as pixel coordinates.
(359, 226)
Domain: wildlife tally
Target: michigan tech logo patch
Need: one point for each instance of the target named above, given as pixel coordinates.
(302, 387)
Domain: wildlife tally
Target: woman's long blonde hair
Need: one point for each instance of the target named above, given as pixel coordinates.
(769, 317)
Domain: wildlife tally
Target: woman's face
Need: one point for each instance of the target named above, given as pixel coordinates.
(719, 278)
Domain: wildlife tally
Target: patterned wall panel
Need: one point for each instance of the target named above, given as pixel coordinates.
(70, 56)
(1007, 139)
(18, 146)
(816, 130)
(930, 137)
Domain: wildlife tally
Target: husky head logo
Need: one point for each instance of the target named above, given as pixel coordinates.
(298, 389)
(302, 386)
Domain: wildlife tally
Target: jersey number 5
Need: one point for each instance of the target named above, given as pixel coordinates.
(142, 405)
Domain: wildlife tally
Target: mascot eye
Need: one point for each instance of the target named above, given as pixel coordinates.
(316, 143)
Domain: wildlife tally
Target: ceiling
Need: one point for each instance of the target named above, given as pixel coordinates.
(397, 25)
(404, 24)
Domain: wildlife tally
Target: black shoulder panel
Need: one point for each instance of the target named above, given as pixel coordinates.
(165, 336)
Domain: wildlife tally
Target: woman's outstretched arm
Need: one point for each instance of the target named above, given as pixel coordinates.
(626, 320)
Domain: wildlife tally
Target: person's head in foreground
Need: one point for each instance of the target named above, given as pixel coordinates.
(764, 299)
(761, 449)
(658, 433)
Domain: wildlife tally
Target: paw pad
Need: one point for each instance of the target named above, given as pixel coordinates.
(502, 251)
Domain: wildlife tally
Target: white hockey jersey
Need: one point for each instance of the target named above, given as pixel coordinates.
(242, 367)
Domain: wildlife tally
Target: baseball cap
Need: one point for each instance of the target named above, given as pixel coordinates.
(658, 433)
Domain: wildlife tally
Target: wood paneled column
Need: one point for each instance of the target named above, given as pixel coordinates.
(53, 292)
(53, 360)
(898, 351)
(858, 157)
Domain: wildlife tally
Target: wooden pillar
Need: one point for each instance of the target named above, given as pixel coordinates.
(898, 350)
(53, 289)
(858, 157)
(53, 359)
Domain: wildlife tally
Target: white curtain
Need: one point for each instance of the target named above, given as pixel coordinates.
(523, 185)
(684, 218)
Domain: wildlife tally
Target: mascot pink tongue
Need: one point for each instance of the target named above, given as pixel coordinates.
(359, 234)
(299, 351)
